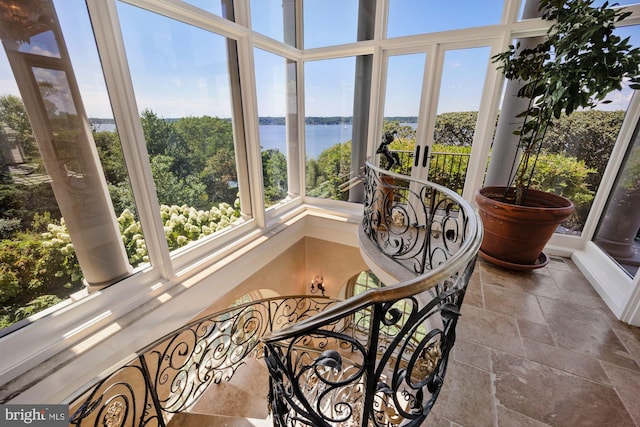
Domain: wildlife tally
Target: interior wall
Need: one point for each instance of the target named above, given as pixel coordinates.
(337, 263)
(292, 271)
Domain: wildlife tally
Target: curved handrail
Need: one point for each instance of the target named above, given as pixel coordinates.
(168, 375)
(389, 370)
(303, 340)
(424, 282)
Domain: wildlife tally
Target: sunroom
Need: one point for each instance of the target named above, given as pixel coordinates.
(163, 160)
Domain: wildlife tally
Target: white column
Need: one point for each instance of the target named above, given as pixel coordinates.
(505, 143)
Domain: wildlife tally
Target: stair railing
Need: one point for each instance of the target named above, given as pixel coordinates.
(391, 374)
(169, 375)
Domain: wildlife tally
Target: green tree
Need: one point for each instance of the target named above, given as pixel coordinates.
(274, 174)
(111, 157)
(220, 176)
(14, 115)
(455, 128)
(204, 136)
(163, 139)
(330, 172)
(588, 136)
(173, 190)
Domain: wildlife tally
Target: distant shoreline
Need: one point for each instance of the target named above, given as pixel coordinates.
(280, 121)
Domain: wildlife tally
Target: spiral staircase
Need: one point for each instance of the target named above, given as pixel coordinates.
(378, 358)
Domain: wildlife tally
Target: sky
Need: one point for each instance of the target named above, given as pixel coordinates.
(179, 70)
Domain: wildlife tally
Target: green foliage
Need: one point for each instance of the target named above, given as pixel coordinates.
(36, 271)
(172, 189)
(14, 115)
(578, 64)
(274, 175)
(39, 270)
(586, 135)
(111, 157)
(630, 177)
(204, 137)
(327, 174)
(9, 228)
(404, 132)
(220, 176)
(36, 305)
(567, 177)
(163, 139)
(455, 128)
(448, 166)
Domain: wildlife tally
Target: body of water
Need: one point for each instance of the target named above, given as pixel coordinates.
(318, 137)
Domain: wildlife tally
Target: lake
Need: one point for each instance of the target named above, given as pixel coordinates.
(318, 137)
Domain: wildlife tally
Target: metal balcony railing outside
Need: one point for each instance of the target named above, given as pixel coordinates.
(446, 169)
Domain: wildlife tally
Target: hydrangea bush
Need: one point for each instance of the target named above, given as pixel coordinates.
(182, 224)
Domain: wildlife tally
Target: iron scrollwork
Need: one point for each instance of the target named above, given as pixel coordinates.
(170, 375)
(414, 223)
(392, 375)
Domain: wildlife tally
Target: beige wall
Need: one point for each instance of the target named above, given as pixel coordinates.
(292, 271)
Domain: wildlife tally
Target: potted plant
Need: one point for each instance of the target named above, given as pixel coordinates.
(579, 62)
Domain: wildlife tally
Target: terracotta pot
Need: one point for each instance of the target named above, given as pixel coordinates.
(517, 234)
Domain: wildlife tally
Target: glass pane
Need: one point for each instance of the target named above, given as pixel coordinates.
(619, 230)
(52, 213)
(409, 17)
(405, 74)
(463, 77)
(578, 148)
(275, 19)
(329, 92)
(343, 16)
(181, 81)
(596, 3)
(275, 85)
(223, 8)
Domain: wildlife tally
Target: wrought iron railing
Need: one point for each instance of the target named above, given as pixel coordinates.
(378, 358)
(388, 368)
(168, 376)
(446, 169)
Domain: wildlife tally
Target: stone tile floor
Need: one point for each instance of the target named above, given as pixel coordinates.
(539, 348)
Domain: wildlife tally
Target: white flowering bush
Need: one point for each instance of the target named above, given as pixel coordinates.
(182, 224)
(57, 242)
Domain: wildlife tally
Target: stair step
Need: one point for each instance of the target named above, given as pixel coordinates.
(245, 396)
(189, 419)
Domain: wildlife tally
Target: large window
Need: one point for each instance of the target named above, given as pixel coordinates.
(329, 94)
(577, 149)
(58, 226)
(276, 91)
(181, 80)
(619, 230)
(403, 95)
(330, 22)
(409, 17)
(275, 19)
(463, 75)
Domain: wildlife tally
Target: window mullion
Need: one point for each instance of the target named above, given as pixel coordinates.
(120, 88)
